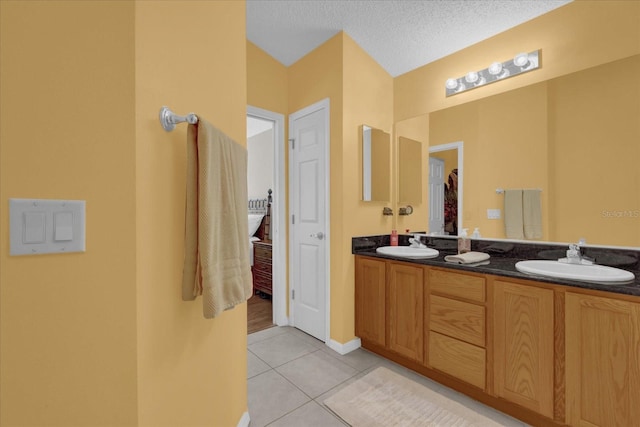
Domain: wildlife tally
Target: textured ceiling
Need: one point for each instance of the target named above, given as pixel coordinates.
(400, 35)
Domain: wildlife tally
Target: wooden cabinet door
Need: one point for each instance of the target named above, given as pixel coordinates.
(523, 345)
(602, 361)
(370, 295)
(405, 333)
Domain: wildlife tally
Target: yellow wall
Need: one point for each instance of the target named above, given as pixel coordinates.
(102, 337)
(267, 84)
(368, 99)
(192, 371)
(596, 179)
(576, 36)
(68, 322)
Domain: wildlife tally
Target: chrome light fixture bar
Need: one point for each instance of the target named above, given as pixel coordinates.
(521, 63)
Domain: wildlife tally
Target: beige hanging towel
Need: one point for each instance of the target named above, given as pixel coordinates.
(216, 262)
(532, 214)
(513, 219)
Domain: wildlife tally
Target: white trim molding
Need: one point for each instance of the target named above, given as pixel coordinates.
(345, 348)
(245, 420)
(459, 145)
(278, 213)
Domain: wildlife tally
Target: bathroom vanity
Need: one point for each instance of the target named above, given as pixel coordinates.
(549, 352)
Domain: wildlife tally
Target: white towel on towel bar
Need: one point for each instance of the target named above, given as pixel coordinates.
(531, 214)
(216, 262)
(513, 222)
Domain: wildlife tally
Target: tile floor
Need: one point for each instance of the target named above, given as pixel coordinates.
(290, 374)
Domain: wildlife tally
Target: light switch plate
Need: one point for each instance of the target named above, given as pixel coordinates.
(493, 213)
(39, 226)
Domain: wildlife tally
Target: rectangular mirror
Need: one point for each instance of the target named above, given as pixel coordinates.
(376, 165)
(409, 171)
(574, 137)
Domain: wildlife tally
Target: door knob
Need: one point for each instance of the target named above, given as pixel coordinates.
(319, 235)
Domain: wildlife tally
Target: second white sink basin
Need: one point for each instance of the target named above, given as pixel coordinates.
(408, 252)
(589, 273)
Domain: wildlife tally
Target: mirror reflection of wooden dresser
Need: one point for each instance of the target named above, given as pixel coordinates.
(262, 276)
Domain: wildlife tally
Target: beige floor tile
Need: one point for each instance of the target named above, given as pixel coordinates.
(316, 373)
(271, 396)
(281, 349)
(255, 366)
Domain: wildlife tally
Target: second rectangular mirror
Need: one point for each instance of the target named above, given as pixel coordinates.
(409, 171)
(376, 165)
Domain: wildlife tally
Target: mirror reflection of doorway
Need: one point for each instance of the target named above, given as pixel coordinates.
(445, 188)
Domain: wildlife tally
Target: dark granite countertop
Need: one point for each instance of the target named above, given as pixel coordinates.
(505, 255)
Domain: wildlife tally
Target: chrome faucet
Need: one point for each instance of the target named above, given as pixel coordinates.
(574, 256)
(415, 242)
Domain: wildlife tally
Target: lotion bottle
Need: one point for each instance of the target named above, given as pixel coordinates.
(394, 237)
(464, 244)
(476, 233)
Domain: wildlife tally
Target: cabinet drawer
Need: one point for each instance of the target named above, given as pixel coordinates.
(457, 285)
(262, 251)
(458, 319)
(457, 358)
(262, 282)
(262, 266)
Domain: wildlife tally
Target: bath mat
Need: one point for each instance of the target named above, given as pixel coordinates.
(384, 398)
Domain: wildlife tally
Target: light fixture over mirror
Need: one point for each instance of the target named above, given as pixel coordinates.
(376, 165)
(521, 63)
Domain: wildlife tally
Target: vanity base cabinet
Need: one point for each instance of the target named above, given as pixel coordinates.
(602, 361)
(370, 297)
(405, 311)
(549, 355)
(523, 327)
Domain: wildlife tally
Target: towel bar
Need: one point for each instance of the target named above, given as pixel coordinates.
(501, 190)
(168, 119)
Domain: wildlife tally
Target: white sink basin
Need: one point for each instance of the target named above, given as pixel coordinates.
(408, 252)
(589, 273)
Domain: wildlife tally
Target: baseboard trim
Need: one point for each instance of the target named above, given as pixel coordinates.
(245, 420)
(283, 321)
(345, 348)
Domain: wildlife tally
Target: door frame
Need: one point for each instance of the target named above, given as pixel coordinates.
(323, 105)
(458, 145)
(432, 160)
(278, 215)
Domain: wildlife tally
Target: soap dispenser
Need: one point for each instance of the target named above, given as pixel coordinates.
(464, 244)
(476, 233)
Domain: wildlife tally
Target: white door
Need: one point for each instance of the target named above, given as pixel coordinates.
(309, 147)
(436, 195)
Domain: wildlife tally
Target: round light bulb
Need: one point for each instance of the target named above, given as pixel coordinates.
(495, 68)
(451, 84)
(521, 59)
(471, 77)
